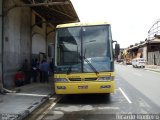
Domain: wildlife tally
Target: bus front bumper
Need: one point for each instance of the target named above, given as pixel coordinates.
(84, 88)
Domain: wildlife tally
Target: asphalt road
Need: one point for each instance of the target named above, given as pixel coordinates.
(137, 92)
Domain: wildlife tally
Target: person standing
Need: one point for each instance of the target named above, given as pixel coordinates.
(40, 71)
(51, 66)
(44, 67)
(35, 65)
(26, 71)
(19, 78)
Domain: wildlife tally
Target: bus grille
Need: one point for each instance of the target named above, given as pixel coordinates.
(82, 79)
(90, 79)
(75, 79)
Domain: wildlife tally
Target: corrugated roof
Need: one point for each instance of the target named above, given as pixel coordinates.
(57, 13)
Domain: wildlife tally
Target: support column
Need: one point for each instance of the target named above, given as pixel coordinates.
(1, 39)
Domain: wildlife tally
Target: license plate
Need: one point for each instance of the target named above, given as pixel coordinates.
(83, 87)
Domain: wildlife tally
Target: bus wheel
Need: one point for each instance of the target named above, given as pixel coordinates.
(108, 97)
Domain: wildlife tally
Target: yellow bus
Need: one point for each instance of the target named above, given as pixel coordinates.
(84, 58)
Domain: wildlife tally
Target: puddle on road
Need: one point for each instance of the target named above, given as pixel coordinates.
(75, 108)
(54, 115)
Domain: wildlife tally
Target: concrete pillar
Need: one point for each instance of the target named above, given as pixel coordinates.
(0, 45)
(17, 40)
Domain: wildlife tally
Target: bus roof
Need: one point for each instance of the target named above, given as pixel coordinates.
(81, 24)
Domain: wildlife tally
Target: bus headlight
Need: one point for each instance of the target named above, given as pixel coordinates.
(106, 78)
(60, 80)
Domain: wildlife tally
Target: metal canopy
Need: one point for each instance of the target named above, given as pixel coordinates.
(54, 11)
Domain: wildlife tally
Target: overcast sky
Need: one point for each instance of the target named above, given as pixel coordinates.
(130, 19)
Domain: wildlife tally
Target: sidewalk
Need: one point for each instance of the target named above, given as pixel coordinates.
(152, 68)
(16, 106)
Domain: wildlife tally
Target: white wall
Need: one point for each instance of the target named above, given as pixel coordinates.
(38, 44)
(38, 37)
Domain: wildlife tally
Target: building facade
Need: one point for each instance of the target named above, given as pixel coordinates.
(27, 30)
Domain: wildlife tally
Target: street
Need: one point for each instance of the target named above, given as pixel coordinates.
(136, 92)
(71, 60)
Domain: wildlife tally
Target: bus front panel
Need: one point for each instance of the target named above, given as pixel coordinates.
(84, 83)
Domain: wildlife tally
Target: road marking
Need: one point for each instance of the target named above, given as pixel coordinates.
(49, 109)
(125, 95)
(108, 108)
(26, 94)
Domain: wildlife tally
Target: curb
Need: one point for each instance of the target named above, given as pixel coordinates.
(40, 109)
(152, 70)
(33, 107)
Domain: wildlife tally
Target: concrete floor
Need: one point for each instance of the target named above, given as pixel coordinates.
(16, 106)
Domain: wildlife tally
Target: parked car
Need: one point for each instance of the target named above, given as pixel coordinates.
(138, 62)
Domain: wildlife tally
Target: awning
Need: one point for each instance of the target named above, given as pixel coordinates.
(54, 11)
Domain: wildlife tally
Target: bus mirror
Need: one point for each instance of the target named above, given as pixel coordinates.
(113, 41)
(51, 50)
(117, 49)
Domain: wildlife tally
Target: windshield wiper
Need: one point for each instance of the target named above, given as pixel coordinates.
(69, 69)
(91, 66)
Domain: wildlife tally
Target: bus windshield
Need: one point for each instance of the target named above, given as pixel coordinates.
(76, 45)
